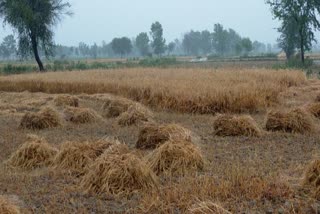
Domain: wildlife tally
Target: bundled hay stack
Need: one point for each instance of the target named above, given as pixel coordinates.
(35, 153)
(294, 121)
(118, 175)
(153, 135)
(176, 158)
(114, 108)
(75, 157)
(66, 100)
(312, 178)
(136, 114)
(228, 125)
(207, 207)
(314, 109)
(46, 118)
(117, 149)
(7, 207)
(80, 115)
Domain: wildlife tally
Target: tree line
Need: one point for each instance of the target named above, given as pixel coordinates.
(33, 22)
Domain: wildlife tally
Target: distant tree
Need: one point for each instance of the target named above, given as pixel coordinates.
(305, 13)
(205, 42)
(233, 39)
(258, 47)
(84, 49)
(171, 47)
(158, 42)
(121, 46)
(34, 21)
(94, 51)
(289, 38)
(142, 43)
(220, 39)
(8, 47)
(246, 45)
(192, 42)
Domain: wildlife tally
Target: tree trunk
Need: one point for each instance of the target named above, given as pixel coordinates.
(302, 47)
(36, 53)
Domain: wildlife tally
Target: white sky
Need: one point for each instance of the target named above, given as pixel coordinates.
(98, 20)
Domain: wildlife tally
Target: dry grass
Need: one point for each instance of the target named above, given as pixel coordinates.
(118, 175)
(66, 100)
(312, 178)
(7, 207)
(228, 125)
(207, 207)
(314, 109)
(75, 157)
(176, 158)
(80, 115)
(115, 107)
(152, 135)
(183, 90)
(46, 118)
(318, 98)
(135, 115)
(294, 121)
(35, 153)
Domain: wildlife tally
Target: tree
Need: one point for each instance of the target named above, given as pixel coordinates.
(171, 47)
(94, 51)
(84, 49)
(304, 13)
(142, 43)
(121, 46)
(34, 20)
(289, 37)
(246, 45)
(206, 42)
(8, 47)
(158, 42)
(220, 39)
(192, 42)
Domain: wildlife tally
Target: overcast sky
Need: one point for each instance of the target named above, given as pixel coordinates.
(98, 20)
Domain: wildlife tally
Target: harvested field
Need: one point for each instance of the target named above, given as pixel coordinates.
(152, 135)
(66, 100)
(35, 153)
(203, 91)
(205, 173)
(228, 125)
(44, 119)
(80, 115)
(294, 121)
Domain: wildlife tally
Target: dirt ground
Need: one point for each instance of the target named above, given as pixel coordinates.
(277, 159)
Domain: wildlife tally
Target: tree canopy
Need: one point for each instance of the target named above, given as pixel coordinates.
(34, 20)
(121, 46)
(158, 42)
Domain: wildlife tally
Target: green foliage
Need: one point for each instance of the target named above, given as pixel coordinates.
(33, 21)
(8, 47)
(142, 43)
(303, 16)
(158, 42)
(158, 62)
(121, 46)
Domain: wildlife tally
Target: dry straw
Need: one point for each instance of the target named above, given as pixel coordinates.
(312, 178)
(119, 175)
(115, 107)
(294, 121)
(314, 109)
(66, 100)
(46, 118)
(152, 135)
(74, 157)
(176, 158)
(7, 207)
(318, 98)
(80, 115)
(34, 153)
(207, 207)
(135, 115)
(228, 125)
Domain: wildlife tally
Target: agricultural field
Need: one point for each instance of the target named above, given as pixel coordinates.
(151, 140)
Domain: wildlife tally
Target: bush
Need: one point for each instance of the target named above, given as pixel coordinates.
(158, 62)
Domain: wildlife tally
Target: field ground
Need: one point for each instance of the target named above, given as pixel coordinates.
(242, 174)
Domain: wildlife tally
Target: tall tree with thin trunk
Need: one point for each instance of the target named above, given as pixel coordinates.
(34, 21)
(305, 14)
